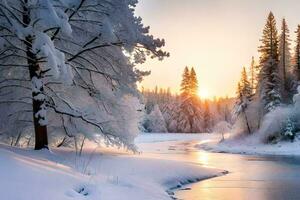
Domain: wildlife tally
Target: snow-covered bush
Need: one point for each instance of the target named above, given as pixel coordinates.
(222, 127)
(282, 123)
(288, 132)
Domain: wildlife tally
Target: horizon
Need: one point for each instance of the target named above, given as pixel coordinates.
(217, 56)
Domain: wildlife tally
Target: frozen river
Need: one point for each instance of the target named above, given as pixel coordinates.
(249, 177)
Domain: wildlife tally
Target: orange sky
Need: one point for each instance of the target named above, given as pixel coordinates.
(216, 37)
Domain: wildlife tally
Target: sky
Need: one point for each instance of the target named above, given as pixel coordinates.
(216, 37)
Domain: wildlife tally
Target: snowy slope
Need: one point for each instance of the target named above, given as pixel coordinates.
(98, 174)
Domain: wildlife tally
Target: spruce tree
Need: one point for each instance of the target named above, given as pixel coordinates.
(185, 83)
(207, 118)
(193, 83)
(244, 94)
(297, 55)
(253, 75)
(284, 55)
(245, 85)
(269, 80)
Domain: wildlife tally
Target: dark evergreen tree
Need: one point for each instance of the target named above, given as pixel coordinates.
(296, 60)
(269, 80)
(284, 59)
(253, 75)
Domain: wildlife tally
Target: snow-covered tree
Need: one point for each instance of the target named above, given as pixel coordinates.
(244, 92)
(63, 63)
(207, 117)
(269, 79)
(155, 122)
(288, 131)
(187, 117)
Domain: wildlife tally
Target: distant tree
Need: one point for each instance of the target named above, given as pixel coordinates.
(253, 75)
(207, 117)
(185, 83)
(187, 116)
(155, 122)
(269, 79)
(193, 82)
(245, 85)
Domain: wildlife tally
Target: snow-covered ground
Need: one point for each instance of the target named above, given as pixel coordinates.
(98, 174)
(251, 145)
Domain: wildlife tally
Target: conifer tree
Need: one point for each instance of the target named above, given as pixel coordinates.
(207, 118)
(297, 55)
(269, 80)
(244, 92)
(245, 85)
(185, 83)
(253, 75)
(193, 82)
(284, 55)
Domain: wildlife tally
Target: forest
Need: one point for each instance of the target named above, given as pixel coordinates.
(78, 119)
(266, 88)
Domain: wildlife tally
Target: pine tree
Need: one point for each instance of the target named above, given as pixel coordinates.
(193, 83)
(207, 118)
(253, 75)
(185, 83)
(297, 55)
(244, 94)
(245, 85)
(269, 80)
(284, 55)
(289, 132)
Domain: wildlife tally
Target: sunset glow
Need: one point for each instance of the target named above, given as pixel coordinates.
(217, 38)
(203, 93)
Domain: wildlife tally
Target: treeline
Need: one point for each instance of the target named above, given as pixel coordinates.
(270, 85)
(184, 112)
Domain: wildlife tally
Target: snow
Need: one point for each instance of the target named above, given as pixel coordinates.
(158, 137)
(252, 146)
(100, 173)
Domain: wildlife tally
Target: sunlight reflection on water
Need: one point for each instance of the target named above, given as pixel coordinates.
(250, 178)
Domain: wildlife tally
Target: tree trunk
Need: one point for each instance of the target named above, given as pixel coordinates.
(247, 123)
(38, 104)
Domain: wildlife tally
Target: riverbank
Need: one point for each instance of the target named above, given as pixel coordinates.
(251, 146)
(100, 173)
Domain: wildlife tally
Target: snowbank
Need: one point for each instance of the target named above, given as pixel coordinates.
(98, 174)
(252, 145)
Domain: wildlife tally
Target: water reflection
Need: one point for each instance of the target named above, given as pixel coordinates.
(250, 178)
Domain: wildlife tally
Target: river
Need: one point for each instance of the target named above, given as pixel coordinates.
(249, 177)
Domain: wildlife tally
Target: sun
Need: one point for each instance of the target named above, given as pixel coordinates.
(203, 93)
